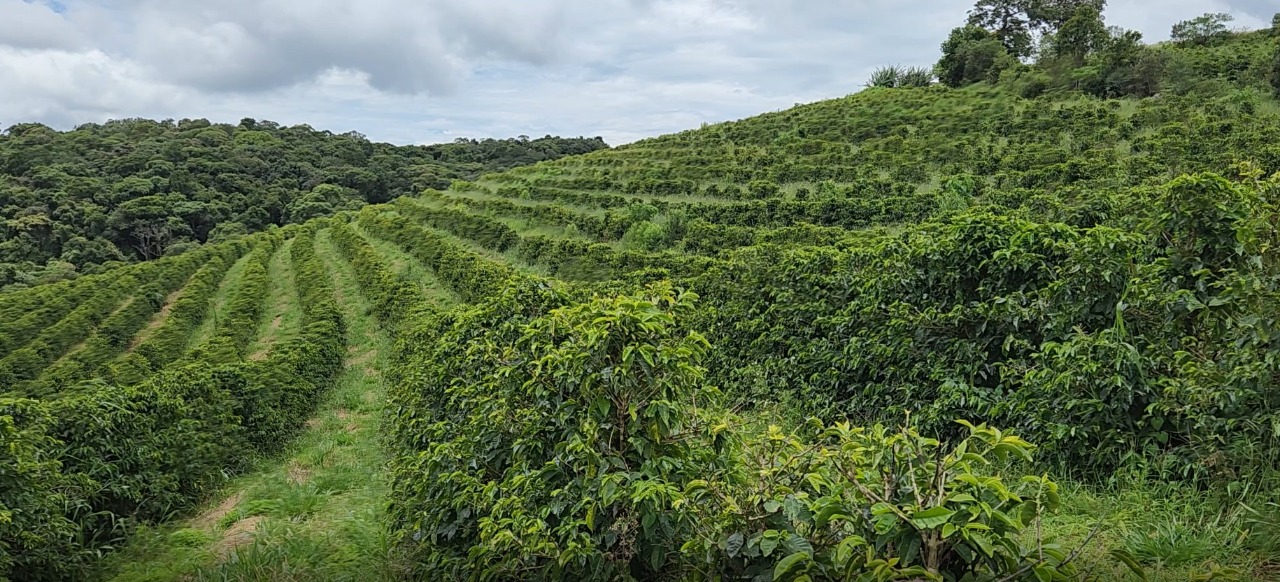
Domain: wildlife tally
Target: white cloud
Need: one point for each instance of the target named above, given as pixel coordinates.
(65, 88)
(414, 71)
(34, 25)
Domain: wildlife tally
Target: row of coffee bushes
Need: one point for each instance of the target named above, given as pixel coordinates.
(853, 213)
(487, 232)
(571, 259)
(610, 226)
(834, 209)
(565, 196)
(172, 338)
(706, 238)
(115, 333)
(237, 327)
(27, 312)
(88, 466)
(472, 276)
(393, 298)
(52, 342)
(545, 435)
(698, 236)
(1102, 344)
(280, 392)
(540, 434)
(605, 227)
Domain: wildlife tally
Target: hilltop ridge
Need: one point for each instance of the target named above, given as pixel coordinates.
(1021, 328)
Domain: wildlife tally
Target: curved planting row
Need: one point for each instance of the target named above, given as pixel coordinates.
(570, 259)
(471, 275)
(172, 338)
(236, 329)
(393, 298)
(487, 232)
(688, 233)
(115, 332)
(833, 207)
(604, 227)
(46, 305)
(92, 464)
(27, 362)
(282, 389)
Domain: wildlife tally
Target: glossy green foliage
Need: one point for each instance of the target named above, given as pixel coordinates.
(542, 442)
(586, 429)
(876, 504)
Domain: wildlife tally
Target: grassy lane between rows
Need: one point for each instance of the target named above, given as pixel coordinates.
(314, 513)
(408, 267)
(230, 281)
(157, 321)
(283, 315)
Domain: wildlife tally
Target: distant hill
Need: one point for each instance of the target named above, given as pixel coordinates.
(137, 189)
(1021, 324)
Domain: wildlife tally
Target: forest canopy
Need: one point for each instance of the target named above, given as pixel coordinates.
(136, 189)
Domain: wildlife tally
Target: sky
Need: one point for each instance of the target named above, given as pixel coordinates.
(429, 71)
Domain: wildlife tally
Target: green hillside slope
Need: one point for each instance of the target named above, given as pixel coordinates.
(138, 189)
(917, 333)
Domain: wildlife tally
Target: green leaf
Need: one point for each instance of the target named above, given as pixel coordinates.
(733, 544)
(1128, 560)
(829, 513)
(932, 518)
(788, 565)
(767, 545)
(797, 543)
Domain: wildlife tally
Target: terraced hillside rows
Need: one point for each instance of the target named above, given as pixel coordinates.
(817, 344)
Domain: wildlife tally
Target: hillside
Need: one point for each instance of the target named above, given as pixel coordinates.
(136, 189)
(916, 333)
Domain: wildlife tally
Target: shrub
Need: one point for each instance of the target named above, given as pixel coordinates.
(585, 443)
(35, 536)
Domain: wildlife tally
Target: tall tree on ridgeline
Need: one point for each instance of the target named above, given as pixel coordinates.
(1019, 23)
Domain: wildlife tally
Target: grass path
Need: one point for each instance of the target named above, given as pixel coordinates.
(230, 281)
(283, 313)
(71, 351)
(316, 512)
(409, 267)
(157, 321)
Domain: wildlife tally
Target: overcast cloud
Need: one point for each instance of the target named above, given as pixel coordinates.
(422, 71)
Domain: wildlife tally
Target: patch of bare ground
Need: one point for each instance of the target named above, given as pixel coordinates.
(239, 535)
(210, 519)
(297, 473)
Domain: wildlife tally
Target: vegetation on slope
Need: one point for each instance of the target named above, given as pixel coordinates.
(137, 189)
(773, 349)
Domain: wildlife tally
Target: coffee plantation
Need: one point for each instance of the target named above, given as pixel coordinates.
(1017, 325)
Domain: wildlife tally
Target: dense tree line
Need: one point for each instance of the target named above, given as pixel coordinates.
(137, 189)
(1039, 46)
(742, 351)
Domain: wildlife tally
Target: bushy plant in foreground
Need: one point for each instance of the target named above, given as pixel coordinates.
(587, 444)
